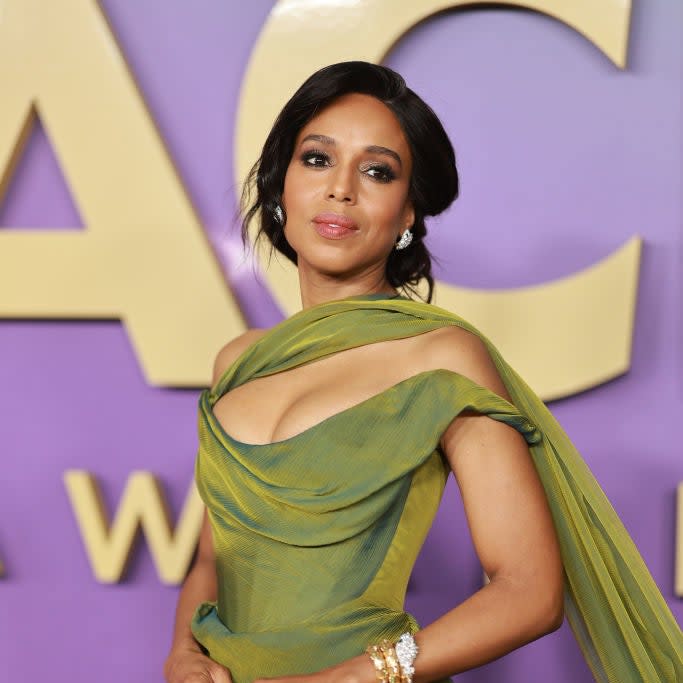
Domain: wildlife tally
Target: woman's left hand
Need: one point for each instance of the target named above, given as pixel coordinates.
(357, 670)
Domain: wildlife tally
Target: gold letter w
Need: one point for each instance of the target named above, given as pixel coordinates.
(142, 504)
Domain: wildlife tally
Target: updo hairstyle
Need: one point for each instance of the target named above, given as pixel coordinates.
(434, 180)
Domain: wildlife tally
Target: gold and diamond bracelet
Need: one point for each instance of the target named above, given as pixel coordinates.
(380, 664)
(393, 662)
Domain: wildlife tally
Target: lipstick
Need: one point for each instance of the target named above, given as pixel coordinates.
(334, 226)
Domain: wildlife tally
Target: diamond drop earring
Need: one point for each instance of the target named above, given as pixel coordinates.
(406, 239)
(279, 215)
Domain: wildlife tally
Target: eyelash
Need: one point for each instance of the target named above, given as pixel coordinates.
(385, 172)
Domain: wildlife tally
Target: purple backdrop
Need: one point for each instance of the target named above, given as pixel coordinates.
(562, 156)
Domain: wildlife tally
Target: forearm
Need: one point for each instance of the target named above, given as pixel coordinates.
(199, 586)
(495, 620)
(186, 661)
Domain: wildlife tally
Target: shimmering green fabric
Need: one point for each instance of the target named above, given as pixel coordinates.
(315, 536)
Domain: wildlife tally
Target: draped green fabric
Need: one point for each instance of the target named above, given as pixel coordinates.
(315, 536)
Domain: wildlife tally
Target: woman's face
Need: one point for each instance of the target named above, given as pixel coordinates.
(346, 189)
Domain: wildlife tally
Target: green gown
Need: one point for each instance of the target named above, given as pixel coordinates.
(315, 536)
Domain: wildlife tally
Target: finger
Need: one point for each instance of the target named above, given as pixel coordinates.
(198, 677)
(220, 674)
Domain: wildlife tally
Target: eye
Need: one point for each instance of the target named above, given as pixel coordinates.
(315, 158)
(380, 172)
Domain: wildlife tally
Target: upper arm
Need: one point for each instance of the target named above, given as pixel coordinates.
(232, 351)
(504, 500)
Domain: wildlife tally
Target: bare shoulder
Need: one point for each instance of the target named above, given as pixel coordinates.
(456, 349)
(233, 350)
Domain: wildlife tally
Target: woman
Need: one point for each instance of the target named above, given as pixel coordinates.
(325, 442)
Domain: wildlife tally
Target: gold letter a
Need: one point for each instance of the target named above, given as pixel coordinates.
(143, 256)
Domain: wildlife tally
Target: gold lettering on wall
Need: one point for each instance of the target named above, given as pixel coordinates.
(564, 336)
(142, 504)
(143, 256)
(678, 581)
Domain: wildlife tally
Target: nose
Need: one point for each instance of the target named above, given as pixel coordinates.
(341, 185)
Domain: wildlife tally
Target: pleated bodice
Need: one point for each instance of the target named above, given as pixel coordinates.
(312, 529)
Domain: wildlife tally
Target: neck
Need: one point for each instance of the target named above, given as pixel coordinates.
(320, 290)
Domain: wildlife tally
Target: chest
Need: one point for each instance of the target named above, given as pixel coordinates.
(286, 404)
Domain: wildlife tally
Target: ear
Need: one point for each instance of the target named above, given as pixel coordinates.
(408, 215)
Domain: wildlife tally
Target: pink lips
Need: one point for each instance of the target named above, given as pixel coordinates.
(334, 226)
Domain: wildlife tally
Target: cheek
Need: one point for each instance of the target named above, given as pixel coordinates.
(296, 191)
(388, 208)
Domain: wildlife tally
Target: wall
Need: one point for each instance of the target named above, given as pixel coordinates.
(563, 157)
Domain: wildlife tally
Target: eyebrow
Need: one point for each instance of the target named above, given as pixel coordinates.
(373, 149)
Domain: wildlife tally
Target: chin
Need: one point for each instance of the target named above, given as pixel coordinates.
(330, 259)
